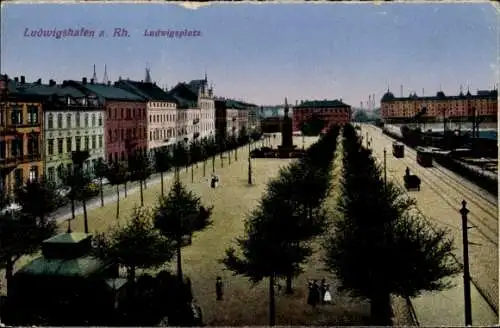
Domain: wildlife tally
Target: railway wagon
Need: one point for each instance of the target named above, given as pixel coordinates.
(398, 150)
(424, 157)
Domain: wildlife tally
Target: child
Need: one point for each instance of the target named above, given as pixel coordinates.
(327, 298)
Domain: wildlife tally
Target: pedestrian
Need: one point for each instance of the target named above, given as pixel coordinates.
(218, 288)
(315, 293)
(322, 289)
(327, 298)
(310, 293)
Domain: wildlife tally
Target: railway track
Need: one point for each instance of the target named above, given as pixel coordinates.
(450, 188)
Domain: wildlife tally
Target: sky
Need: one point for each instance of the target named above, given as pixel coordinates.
(264, 53)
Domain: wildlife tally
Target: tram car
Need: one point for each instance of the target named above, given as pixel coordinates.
(411, 181)
(398, 150)
(424, 157)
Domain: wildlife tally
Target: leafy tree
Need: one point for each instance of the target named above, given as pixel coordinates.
(392, 252)
(203, 155)
(265, 253)
(137, 245)
(243, 135)
(78, 183)
(21, 234)
(181, 157)
(163, 163)
(139, 169)
(116, 175)
(100, 173)
(360, 116)
(179, 215)
(39, 198)
(313, 125)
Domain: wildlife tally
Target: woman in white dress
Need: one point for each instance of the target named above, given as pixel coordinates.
(327, 299)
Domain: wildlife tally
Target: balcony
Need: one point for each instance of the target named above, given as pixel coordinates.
(20, 159)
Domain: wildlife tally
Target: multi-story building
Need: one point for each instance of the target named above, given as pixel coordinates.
(74, 121)
(162, 113)
(21, 135)
(125, 122)
(254, 118)
(231, 117)
(196, 110)
(332, 112)
(441, 107)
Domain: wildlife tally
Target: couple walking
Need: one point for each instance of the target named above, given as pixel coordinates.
(319, 293)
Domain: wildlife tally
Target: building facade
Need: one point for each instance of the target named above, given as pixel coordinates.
(73, 122)
(161, 111)
(441, 107)
(196, 110)
(232, 117)
(332, 112)
(21, 135)
(125, 122)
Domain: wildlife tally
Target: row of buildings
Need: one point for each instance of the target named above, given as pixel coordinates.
(41, 124)
(462, 107)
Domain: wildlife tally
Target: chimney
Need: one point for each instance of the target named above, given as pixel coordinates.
(23, 79)
(91, 81)
(52, 83)
(84, 80)
(39, 81)
(16, 79)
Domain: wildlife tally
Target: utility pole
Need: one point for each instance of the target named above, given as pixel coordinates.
(468, 311)
(385, 169)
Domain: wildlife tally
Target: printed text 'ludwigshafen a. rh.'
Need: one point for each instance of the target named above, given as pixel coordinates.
(118, 32)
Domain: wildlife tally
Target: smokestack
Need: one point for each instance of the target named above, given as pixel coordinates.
(423, 92)
(23, 79)
(401, 91)
(361, 104)
(84, 80)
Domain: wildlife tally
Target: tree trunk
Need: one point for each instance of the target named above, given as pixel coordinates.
(236, 154)
(229, 157)
(204, 167)
(72, 207)
(142, 192)
(272, 305)
(85, 217)
(102, 192)
(9, 272)
(213, 164)
(125, 191)
(289, 289)
(179, 258)
(162, 186)
(145, 183)
(117, 201)
(221, 161)
(380, 308)
(192, 173)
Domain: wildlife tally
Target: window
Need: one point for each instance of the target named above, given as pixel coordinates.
(18, 177)
(50, 149)
(50, 121)
(51, 174)
(78, 141)
(128, 113)
(68, 121)
(16, 149)
(69, 142)
(2, 149)
(59, 121)
(1, 118)
(60, 145)
(32, 144)
(86, 143)
(32, 115)
(100, 120)
(68, 100)
(77, 120)
(94, 142)
(100, 141)
(93, 120)
(110, 134)
(33, 173)
(16, 115)
(86, 120)
(110, 158)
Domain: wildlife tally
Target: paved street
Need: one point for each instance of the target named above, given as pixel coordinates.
(439, 198)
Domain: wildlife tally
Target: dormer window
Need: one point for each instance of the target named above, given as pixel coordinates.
(84, 101)
(68, 100)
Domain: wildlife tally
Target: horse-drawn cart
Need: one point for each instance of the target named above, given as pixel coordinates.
(411, 181)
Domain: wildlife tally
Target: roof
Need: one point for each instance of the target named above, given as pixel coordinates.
(195, 85)
(482, 94)
(150, 91)
(79, 267)
(321, 103)
(184, 96)
(67, 238)
(109, 92)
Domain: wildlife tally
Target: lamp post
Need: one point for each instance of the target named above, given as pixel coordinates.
(385, 169)
(468, 311)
